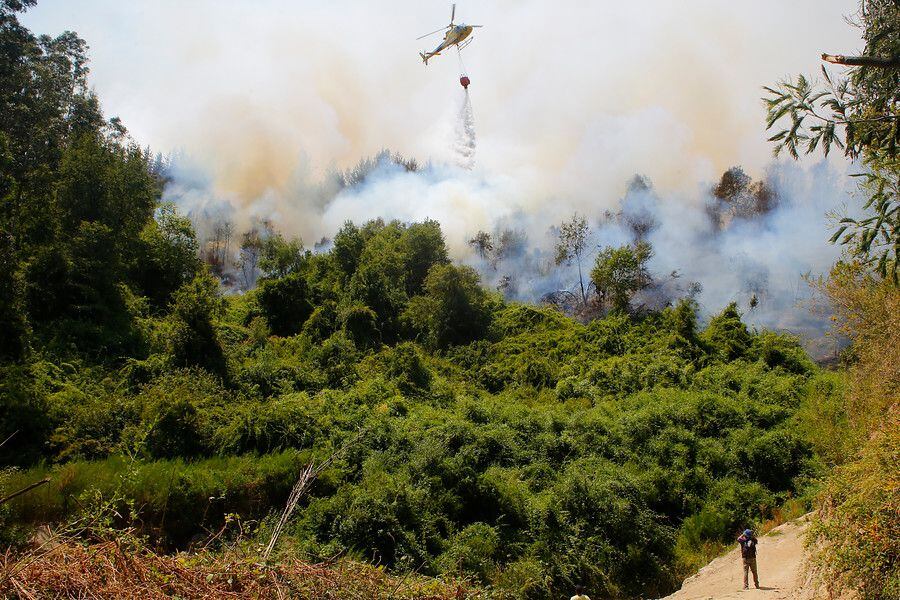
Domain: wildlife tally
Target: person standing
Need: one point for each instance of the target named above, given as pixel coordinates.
(748, 544)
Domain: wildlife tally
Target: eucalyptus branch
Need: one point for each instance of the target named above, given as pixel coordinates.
(863, 61)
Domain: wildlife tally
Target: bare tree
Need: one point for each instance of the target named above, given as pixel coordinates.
(570, 246)
(251, 249)
(227, 230)
(215, 250)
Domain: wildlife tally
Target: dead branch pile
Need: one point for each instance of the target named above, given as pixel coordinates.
(109, 570)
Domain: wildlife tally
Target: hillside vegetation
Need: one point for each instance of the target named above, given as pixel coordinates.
(504, 444)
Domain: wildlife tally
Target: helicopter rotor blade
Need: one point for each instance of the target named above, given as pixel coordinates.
(432, 33)
(476, 25)
(452, 13)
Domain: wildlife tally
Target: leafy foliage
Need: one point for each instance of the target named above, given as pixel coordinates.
(285, 303)
(860, 116)
(454, 308)
(192, 337)
(852, 540)
(582, 453)
(620, 272)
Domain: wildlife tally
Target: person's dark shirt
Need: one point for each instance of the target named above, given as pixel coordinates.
(748, 546)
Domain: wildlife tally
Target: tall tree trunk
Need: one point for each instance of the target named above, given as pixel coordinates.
(581, 281)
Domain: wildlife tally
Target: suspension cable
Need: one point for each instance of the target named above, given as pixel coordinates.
(462, 65)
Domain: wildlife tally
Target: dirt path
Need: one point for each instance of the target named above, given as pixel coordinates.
(780, 563)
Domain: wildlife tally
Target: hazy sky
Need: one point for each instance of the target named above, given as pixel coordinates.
(253, 89)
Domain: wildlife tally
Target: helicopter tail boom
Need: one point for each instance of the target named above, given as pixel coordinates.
(436, 52)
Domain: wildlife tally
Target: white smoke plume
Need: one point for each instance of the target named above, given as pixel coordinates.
(267, 101)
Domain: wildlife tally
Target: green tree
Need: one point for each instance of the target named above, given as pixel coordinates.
(285, 303)
(13, 324)
(454, 308)
(281, 257)
(88, 235)
(423, 246)
(858, 115)
(380, 278)
(169, 255)
(348, 247)
(620, 272)
(193, 339)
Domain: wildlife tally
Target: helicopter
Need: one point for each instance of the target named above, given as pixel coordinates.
(455, 35)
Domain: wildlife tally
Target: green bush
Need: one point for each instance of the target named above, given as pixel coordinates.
(405, 366)
(360, 324)
(285, 303)
(727, 335)
(454, 308)
(472, 551)
(192, 337)
(265, 427)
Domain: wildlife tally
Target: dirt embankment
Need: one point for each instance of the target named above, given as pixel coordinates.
(780, 561)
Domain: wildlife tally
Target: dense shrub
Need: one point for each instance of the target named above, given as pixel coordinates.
(405, 366)
(454, 308)
(855, 532)
(360, 323)
(24, 420)
(727, 334)
(192, 338)
(285, 303)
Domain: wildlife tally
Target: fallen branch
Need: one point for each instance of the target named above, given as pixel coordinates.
(11, 436)
(24, 490)
(863, 61)
(309, 474)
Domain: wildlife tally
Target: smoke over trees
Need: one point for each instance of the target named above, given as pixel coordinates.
(488, 435)
(737, 196)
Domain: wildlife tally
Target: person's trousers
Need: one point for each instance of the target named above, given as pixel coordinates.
(750, 565)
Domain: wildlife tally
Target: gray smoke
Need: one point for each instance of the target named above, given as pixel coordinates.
(757, 259)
